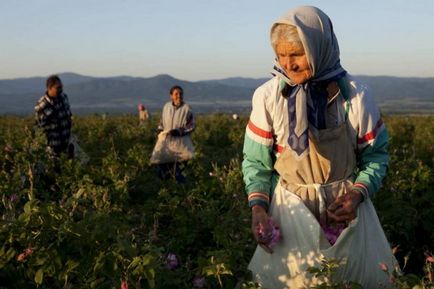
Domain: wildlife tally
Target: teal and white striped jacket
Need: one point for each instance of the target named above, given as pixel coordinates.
(267, 132)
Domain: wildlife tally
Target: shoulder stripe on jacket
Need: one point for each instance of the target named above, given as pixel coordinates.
(260, 132)
(372, 134)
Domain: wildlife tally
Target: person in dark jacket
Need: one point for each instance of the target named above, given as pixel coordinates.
(53, 115)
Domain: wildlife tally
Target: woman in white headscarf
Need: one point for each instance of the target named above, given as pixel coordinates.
(315, 152)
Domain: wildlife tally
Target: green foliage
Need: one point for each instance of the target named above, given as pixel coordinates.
(404, 204)
(410, 281)
(65, 225)
(325, 275)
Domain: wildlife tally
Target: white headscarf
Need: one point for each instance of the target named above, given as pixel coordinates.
(322, 51)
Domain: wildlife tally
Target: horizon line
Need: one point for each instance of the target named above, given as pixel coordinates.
(181, 79)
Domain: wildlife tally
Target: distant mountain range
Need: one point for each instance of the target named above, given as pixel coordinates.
(121, 94)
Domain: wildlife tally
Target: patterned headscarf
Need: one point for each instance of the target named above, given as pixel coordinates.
(322, 51)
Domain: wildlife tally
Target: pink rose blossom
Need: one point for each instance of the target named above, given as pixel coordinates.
(21, 257)
(276, 236)
(8, 148)
(124, 284)
(430, 259)
(392, 279)
(172, 261)
(384, 267)
(333, 232)
(13, 198)
(198, 282)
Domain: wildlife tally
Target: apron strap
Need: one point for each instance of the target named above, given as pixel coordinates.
(343, 86)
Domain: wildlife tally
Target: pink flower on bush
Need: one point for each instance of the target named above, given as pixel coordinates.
(124, 284)
(276, 236)
(13, 198)
(333, 232)
(8, 148)
(384, 267)
(198, 282)
(430, 259)
(392, 279)
(21, 257)
(172, 261)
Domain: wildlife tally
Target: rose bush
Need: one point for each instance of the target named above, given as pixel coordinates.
(113, 223)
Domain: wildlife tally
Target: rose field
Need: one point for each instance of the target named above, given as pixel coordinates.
(112, 223)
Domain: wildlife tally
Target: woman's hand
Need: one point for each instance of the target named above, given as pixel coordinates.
(344, 208)
(260, 220)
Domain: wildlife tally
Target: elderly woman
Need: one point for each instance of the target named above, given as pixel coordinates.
(315, 152)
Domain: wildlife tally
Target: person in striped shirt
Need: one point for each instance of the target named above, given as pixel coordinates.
(53, 115)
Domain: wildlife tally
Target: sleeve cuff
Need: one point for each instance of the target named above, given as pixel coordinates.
(259, 198)
(363, 189)
(260, 203)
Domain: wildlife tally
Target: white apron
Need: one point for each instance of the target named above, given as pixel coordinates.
(300, 199)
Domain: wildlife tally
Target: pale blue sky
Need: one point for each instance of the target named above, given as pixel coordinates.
(196, 40)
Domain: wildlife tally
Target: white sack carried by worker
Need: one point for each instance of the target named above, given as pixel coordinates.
(170, 149)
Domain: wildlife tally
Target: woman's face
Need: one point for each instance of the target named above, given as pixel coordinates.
(292, 58)
(176, 97)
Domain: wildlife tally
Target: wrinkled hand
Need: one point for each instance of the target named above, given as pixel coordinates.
(260, 219)
(175, 132)
(344, 208)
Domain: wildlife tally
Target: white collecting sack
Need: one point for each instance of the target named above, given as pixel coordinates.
(169, 149)
(360, 248)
